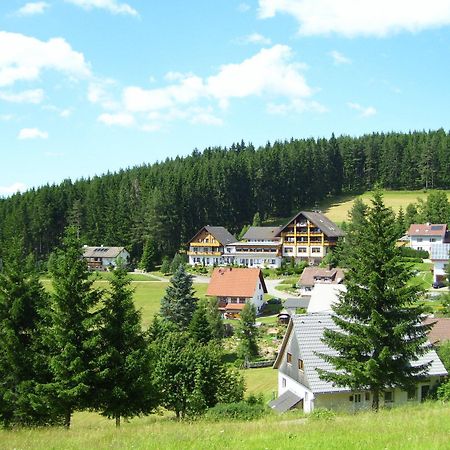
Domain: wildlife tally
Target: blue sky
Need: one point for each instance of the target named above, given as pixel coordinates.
(88, 86)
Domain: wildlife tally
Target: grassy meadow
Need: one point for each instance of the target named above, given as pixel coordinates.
(425, 426)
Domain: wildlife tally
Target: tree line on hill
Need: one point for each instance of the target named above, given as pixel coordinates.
(165, 203)
(83, 348)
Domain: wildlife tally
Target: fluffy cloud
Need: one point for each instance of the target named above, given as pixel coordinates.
(243, 7)
(32, 133)
(364, 111)
(24, 58)
(339, 58)
(254, 38)
(5, 191)
(355, 17)
(112, 6)
(120, 119)
(31, 96)
(32, 8)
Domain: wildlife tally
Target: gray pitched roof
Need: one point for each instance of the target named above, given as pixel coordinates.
(294, 303)
(261, 233)
(285, 402)
(220, 233)
(328, 227)
(102, 252)
(308, 330)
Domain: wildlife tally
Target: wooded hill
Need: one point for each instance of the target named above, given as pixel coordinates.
(167, 202)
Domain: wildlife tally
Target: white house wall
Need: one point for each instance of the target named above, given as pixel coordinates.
(286, 383)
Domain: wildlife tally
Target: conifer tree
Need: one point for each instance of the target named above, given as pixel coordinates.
(247, 332)
(148, 259)
(381, 331)
(256, 220)
(165, 266)
(23, 358)
(177, 260)
(179, 302)
(124, 385)
(199, 328)
(401, 227)
(73, 334)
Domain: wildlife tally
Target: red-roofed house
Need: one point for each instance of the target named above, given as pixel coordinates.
(234, 287)
(422, 236)
(441, 330)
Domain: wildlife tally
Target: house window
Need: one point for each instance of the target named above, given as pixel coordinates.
(289, 358)
(315, 249)
(356, 398)
(412, 394)
(288, 250)
(283, 382)
(367, 397)
(388, 397)
(300, 364)
(302, 249)
(419, 239)
(432, 240)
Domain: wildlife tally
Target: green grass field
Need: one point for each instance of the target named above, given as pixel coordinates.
(425, 426)
(262, 381)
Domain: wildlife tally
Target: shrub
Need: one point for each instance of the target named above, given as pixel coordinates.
(322, 414)
(411, 253)
(443, 392)
(236, 411)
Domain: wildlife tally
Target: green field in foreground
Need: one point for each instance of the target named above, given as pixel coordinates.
(147, 295)
(425, 426)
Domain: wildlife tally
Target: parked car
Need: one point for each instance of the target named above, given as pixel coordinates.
(438, 284)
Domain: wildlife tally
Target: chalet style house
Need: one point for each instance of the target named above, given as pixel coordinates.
(234, 287)
(104, 258)
(423, 236)
(308, 236)
(300, 386)
(206, 248)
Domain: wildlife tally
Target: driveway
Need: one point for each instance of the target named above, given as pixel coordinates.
(272, 289)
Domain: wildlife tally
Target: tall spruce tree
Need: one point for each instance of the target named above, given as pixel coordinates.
(124, 386)
(247, 333)
(179, 302)
(73, 332)
(23, 356)
(148, 260)
(380, 321)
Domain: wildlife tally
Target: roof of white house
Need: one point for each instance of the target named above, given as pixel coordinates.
(102, 252)
(308, 330)
(219, 233)
(323, 296)
(328, 227)
(261, 234)
(439, 251)
(427, 229)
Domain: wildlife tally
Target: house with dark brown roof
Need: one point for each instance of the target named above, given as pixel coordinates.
(234, 287)
(440, 331)
(319, 275)
(206, 248)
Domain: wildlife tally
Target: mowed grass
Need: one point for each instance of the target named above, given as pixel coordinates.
(147, 295)
(425, 426)
(261, 381)
(337, 210)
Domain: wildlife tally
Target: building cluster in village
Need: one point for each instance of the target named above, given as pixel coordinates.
(237, 279)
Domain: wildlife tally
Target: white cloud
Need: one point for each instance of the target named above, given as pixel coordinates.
(243, 7)
(6, 117)
(32, 133)
(31, 96)
(339, 58)
(295, 106)
(271, 74)
(365, 111)
(98, 93)
(355, 17)
(120, 119)
(113, 6)
(65, 113)
(12, 189)
(254, 38)
(32, 8)
(23, 58)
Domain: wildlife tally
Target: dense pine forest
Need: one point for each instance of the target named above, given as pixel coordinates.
(168, 201)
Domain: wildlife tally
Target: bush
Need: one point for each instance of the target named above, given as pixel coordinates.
(322, 414)
(443, 392)
(236, 411)
(409, 252)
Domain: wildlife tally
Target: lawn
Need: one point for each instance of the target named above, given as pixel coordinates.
(264, 381)
(425, 426)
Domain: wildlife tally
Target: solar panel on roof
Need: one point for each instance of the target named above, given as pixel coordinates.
(437, 227)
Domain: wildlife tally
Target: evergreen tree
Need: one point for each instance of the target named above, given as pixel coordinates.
(247, 333)
(179, 302)
(412, 215)
(73, 335)
(214, 318)
(381, 331)
(165, 266)
(401, 227)
(199, 328)
(177, 260)
(23, 356)
(148, 259)
(123, 365)
(256, 220)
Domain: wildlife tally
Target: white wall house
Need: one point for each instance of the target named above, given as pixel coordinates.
(300, 386)
(234, 287)
(439, 255)
(423, 236)
(104, 258)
